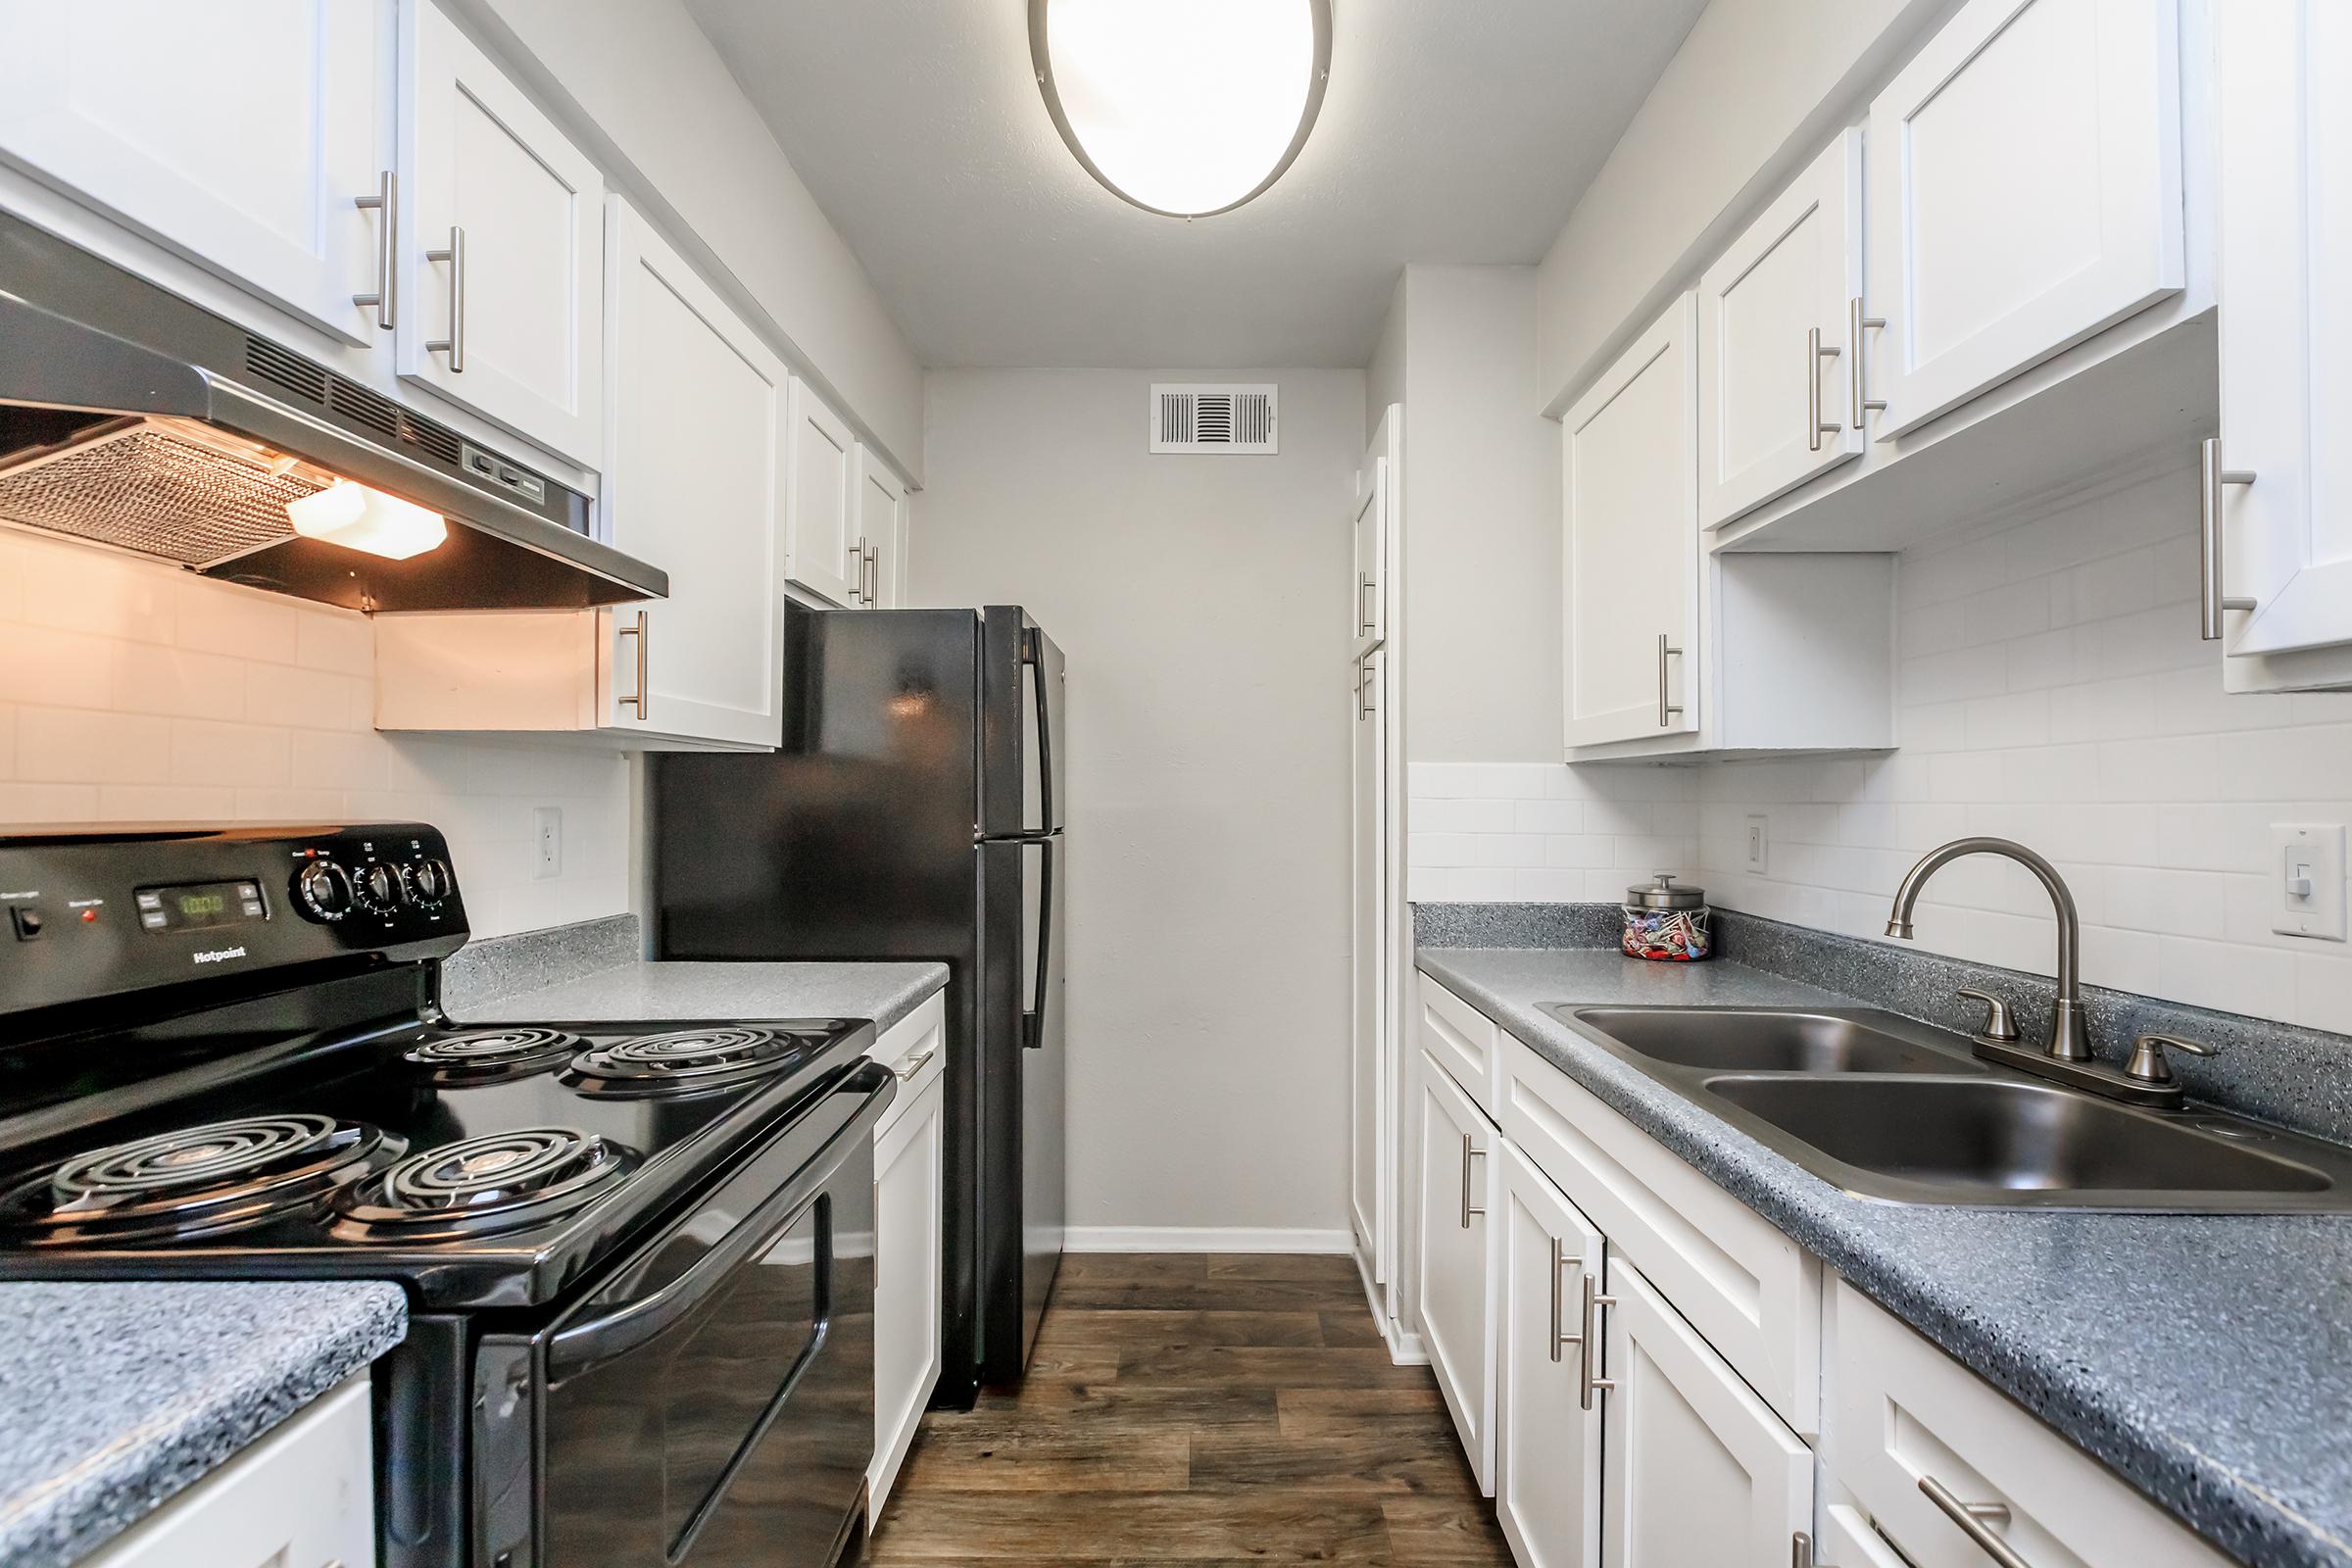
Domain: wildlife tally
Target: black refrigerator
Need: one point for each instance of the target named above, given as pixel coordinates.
(914, 811)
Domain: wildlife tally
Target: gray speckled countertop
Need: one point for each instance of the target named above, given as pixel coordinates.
(113, 1397)
(882, 992)
(2206, 1358)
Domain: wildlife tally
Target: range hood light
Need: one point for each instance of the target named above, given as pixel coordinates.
(359, 517)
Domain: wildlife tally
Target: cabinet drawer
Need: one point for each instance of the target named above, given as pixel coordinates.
(1754, 1293)
(1460, 1039)
(1902, 1414)
(304, 1496)
(924, 1029)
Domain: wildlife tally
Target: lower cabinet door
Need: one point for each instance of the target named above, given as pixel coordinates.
(1456, 1294)
(1546, 1415)
(1696, 1472)
(908, 1161)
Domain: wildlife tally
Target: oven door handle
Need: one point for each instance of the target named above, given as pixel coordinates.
(581, 1347)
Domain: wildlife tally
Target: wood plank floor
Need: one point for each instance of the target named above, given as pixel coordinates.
(1196, 1411)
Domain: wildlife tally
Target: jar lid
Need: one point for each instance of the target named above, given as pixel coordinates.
(1663, 894)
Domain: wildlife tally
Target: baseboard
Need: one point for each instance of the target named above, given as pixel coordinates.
(1406, 1349)
(1203, 1239)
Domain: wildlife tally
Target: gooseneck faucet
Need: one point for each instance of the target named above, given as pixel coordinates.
(2070, 1026)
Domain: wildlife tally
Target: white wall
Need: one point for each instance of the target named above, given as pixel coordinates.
(1202, 604)
(137, 692)
(1755, 88)
(1385, 377)
(1482, 522)
(689, 147)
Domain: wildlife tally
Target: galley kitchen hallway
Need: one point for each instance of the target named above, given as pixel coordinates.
(1198, 1411)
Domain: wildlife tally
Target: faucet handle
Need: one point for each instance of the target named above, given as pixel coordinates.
(2147, 1064)
(1999, 1024)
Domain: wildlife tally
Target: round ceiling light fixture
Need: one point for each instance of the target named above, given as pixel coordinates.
(1185, 108)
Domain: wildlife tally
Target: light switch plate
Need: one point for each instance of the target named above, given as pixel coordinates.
(2307, 879)
(1757, 841)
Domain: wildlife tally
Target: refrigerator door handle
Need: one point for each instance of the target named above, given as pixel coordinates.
(1033, 1021)
(1033, 655)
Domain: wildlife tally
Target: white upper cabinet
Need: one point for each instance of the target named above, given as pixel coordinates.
(241, 133)
(2286, 342)
(1775, 313)
(502, 246)
(820, 531)
(2025, 192)
(878, 552)
(695, 481)
(1631, 554)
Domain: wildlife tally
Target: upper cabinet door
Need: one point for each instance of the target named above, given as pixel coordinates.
(1774, 319)
(2287, 330)
(1631, 556)
(695, 483)
(820, 536)
(2025, 193)
(239, 133)
(881, 527)
(502, 247)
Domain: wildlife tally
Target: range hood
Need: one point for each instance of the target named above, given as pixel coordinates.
(134, 418)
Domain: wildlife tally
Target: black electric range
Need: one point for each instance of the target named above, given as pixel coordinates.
(638, 1257)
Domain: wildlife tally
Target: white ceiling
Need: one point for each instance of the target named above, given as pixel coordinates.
(1452, 131)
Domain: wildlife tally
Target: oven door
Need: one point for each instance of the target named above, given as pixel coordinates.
(712, 1406)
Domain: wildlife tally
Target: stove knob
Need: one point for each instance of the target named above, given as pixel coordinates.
(384, 887)
(323, 891)
(433, 882)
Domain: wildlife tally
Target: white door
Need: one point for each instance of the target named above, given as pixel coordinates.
(1371, 499)
(910, 1161)
(502, 247)
(820, 529)
(2286, 329)
(695, 484)
(880, 528)
(1631, 556)
(1774, 320)
(1547, 1413)
(239, 133)
(1456, 1298)
(2025, 193)
(1697, 1471)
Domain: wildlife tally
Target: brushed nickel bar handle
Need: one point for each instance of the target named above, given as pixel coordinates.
(1469, 1154)
(1976, 1520)
(1587, 1349)
(914, 1064)
(1855, 322)
(1815, 429)
(385, 299)
(873, 574)
(643, 632)
(1363, 612)
(1800, 1549)
(2214, 600)
(857, 586)
(453, 345)
(1668, 712)
(1561, 1262)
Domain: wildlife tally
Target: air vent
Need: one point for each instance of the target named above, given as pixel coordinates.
(286, 368)
(1215, 419)
(363, 407)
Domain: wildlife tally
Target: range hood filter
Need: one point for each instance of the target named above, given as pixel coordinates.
(162, 487)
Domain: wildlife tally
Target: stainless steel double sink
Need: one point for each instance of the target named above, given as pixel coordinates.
(1887, 1108)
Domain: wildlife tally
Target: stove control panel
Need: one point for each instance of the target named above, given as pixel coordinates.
(92, 913)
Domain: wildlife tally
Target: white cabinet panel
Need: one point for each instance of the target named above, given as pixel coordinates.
(1454, 1187)
(2025, 193)
(1773, 350)
(304, 1496)
(238, 132)
(1369, 1056)
(1631, 554)
(695, 483)
(1698, 1472)
(2287, 338)
(1546, 1424)
(1461, 1040)
(880, 535)
(502, 246)
(910, 1162)
(821, 531)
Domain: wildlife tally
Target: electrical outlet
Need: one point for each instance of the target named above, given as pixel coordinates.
(1758, 841)
(547, 841)
(2307, 874)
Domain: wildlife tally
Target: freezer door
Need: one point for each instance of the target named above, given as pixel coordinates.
(1022, 736)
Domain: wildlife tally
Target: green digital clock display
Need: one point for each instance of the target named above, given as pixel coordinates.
(200, 904)
(203, 905)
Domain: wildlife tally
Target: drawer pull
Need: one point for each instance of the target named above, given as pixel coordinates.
(906, 1071)
(1977, 1521)
(1561, 1262)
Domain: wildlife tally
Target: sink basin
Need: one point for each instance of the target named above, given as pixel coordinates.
(1766, 1040)
(2000, 1140)
(1888, 1109)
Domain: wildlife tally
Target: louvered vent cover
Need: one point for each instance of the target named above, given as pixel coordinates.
(1227, 418)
